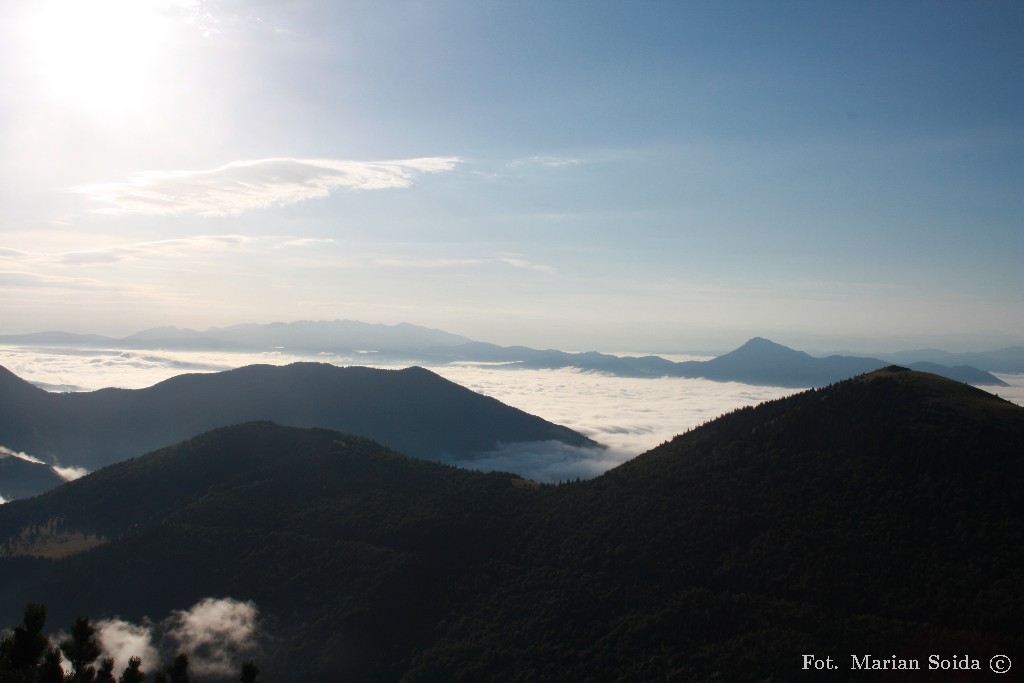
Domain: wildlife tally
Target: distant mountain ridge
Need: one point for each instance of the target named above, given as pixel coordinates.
(302, 335)
(877, 515)
(758, 361)
(413, 410)
(1009, 359)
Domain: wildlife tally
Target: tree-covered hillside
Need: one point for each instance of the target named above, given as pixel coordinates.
(876, 516)
(413, 410)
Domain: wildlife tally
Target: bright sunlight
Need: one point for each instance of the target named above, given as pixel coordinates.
(101, 57)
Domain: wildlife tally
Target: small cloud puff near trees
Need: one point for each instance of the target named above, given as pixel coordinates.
(27, 655)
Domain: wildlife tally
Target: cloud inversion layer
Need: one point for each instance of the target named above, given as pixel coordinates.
(246, 185)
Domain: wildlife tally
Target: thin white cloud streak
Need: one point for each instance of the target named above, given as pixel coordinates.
(18, 280)
(158, 248)
(34, 270)
(70, 473)
(8, 453)
(527, 265)
(247, 185)
(427, 263)
(65, 473)
(434, 263)
(305, 242)
(548, 161)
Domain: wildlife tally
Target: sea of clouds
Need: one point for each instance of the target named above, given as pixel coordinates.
(627, 415)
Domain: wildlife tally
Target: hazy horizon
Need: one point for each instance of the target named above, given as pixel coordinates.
(671, 176)
(683, 349)
(628, 415)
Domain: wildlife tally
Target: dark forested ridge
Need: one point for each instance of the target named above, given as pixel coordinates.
(413, 410)
(876, 516)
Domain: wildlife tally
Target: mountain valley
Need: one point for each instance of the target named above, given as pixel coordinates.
(875, 515)
(413, 410)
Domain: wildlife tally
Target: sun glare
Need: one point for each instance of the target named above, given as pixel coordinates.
(101, 56)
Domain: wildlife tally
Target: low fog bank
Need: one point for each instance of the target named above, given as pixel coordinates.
(550, 462)
(1014, 392)
(81, 369)
(627, 415)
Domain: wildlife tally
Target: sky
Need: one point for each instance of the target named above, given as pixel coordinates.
(632, 175)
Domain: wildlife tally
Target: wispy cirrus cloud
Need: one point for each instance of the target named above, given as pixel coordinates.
(305, 242)
(522, 263)
(115, 253)
(427, 263)
(158, 248)
(548, 161)
(20, 280)
(246, 185)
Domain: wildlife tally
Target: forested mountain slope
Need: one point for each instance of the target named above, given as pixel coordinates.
(876, 516)
(413, 410)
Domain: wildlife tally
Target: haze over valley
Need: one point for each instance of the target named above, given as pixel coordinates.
(448, 340)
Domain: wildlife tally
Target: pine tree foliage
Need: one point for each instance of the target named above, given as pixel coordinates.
(133, 673)
(177, 672)
(26, 657)
(250, 673)
(870, 516)
(51, 671)
(81, 649)
(106, 671)
(26, 644)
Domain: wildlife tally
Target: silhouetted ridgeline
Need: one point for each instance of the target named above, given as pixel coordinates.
(413, 410)
(877, 516)
(758, 361)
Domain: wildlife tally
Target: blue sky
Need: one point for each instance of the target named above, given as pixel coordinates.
(587, 175)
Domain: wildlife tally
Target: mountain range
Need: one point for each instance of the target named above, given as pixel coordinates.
(759, 361)
(879, 515)
(413, 410)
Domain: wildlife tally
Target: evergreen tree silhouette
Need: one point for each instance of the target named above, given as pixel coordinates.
(81, 649)
(23, 648)
(106, 672)
(50, 671)
(177, 672)
(133, 673)
(250, 673)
